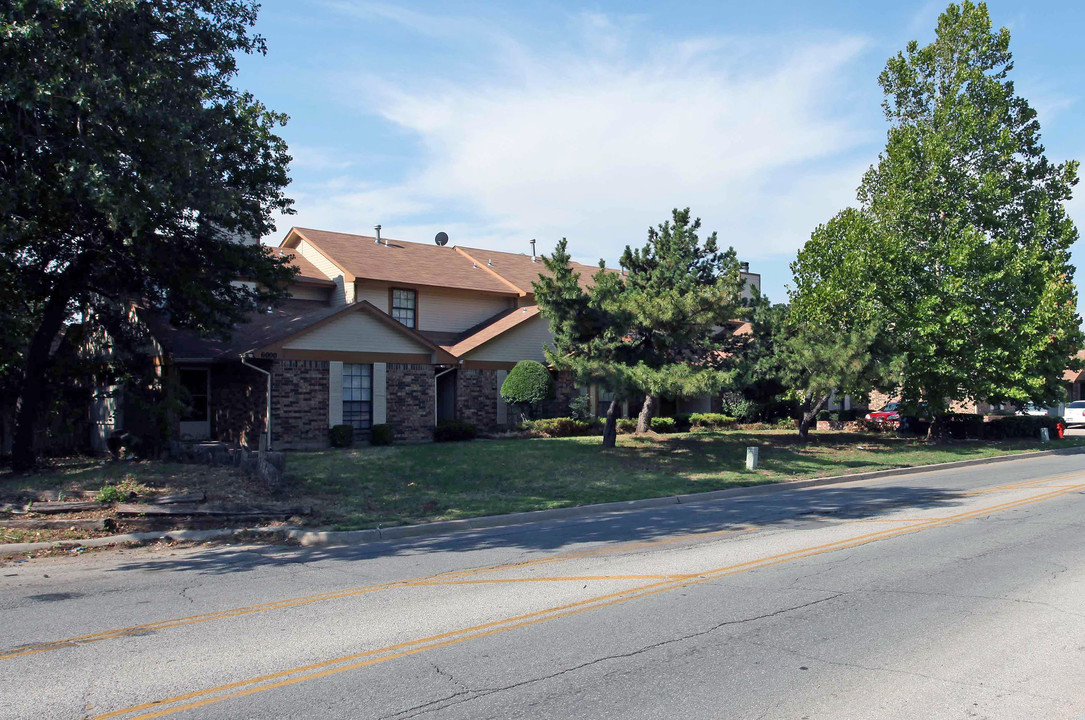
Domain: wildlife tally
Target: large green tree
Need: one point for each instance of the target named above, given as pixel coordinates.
(588, 328)
(961, 245)
(129, 165)
(679, 294)
(655, 328)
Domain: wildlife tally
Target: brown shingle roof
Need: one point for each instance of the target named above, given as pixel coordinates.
(308, 273)
(502, 324)
(258, 330)
(518, 268)
(398, 261)
(262, 329)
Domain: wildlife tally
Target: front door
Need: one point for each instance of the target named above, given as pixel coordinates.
(196, 395)
(446, 396)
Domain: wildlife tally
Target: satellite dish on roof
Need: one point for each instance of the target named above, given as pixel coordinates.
(441, 239)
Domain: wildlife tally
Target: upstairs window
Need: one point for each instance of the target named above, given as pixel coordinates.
(404, 306)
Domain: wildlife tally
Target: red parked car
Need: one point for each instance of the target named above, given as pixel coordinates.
(888, 414)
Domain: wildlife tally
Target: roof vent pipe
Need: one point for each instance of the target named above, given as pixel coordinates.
(378, 229)
(744, 266)
(533, 250)
(490, 262)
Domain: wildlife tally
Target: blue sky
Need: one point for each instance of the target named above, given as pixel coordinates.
(500, 122)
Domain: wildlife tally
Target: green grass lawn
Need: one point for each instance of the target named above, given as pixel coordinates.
(360, 488)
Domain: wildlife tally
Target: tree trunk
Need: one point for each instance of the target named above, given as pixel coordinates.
(809, 415)
(23, 453)
(935, 429)
(610, 429)
(647, 412)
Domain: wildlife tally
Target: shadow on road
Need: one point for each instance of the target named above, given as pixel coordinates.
(778, 509)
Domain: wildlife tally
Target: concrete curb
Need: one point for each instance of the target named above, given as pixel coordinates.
(310, 538)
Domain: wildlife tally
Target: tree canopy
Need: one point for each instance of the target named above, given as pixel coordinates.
(959, 250)
(658, 328)
(129, 166)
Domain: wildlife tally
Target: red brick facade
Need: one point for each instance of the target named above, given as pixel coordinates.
(476, 398)
(410, 402)
(299, 404)
(238, 404)
(564, 392)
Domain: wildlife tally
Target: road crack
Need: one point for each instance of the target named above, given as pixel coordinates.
(467, 694)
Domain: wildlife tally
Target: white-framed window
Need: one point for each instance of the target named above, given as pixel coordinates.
(405, 306)
(358, 395)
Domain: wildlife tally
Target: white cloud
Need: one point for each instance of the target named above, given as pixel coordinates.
(599, 140)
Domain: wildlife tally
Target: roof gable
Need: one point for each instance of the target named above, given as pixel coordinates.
(396, 261)
(521, 270)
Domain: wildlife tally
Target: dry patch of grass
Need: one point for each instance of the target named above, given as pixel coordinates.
(366, 487)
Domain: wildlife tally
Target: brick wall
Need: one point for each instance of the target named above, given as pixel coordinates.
(410, 402)
(476, 398)
(238, 404)
(299, 405)
(564, 392)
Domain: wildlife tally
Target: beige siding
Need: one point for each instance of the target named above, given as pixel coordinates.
(355, 332)
(343, 292)
(335, 393)
(380, 393)
(440, 310)
(375, 293)
(523, 342)
(451, 311)
(309, 292)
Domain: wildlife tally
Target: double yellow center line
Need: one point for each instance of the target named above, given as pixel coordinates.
(261, 683)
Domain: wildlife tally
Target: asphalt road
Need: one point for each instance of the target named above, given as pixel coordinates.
(951, 594)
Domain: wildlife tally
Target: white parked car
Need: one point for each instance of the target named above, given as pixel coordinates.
(1032, 409)
(1075, 413)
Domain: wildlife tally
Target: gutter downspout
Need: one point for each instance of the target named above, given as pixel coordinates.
(443, 372)
(267, 411)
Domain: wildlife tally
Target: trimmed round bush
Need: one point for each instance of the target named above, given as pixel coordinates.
(341, 436)
(454, 431)
(380, 435)
(664, 425)
(527, 385)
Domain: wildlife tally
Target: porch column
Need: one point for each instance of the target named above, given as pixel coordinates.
(335, 393)
(502, 408)
(380, 393)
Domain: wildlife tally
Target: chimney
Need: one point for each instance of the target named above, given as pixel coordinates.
(378, 229)
(744, 267)
(490, 262)
(533, 258)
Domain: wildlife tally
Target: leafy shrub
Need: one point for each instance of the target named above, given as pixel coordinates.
(341, 436)
(580, 408)
(111, 494)
(849, 415)
(664, 425)
(527, 385)
(1025, 426)
(873, 426)
(740, 408)
(453, 430)
(711, 420)
(626, 425)
(561, 427)
(960, 426)
(912, 425)
(823, 415)
(380, 435)
(682, 421)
